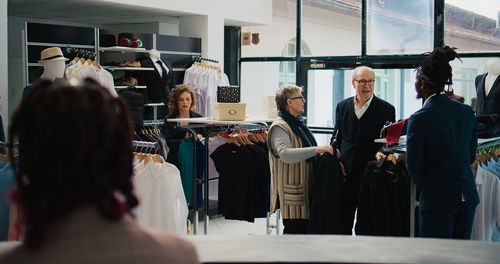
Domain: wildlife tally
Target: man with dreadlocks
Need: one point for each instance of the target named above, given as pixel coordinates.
(441, 145)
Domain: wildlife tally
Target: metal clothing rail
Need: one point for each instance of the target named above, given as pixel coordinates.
(145, 144)
(200, 58)
(214, 127)
(487, 145)
(82, 52)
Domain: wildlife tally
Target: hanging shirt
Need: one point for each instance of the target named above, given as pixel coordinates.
(163, 204)
(487, 216)
(7, 183)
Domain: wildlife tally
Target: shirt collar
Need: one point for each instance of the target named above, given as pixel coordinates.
(366, 104)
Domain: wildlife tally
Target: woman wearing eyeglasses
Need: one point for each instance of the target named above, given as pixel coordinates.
(358, 121)
(292, 150)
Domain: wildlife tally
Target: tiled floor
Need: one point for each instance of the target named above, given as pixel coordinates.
(220, 226)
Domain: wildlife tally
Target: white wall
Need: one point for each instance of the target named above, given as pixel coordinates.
(204, 19)
(4, 82)
(238, 11)
(170, 28)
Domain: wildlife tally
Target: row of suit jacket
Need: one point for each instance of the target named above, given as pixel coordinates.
(243, 180)
(383, 199)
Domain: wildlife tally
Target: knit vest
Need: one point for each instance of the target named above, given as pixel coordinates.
(289, 182)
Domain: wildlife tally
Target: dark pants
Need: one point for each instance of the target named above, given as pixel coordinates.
(456, 224)
(295, 226)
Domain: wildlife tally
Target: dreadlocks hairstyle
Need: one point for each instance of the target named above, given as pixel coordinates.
(435, 70)
(75, 150)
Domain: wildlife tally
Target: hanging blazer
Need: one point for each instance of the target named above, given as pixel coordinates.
(355, 137)
(289, 181)
(441, 146)
(326, 196)
(487, 104)
(384, 200)
(157, 88)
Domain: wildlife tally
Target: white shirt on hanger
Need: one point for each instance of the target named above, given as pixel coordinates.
(487, 216)
(162, 201)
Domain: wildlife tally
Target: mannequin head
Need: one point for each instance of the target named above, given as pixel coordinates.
(52, 69)
(154, 55)
(52, 60)
(493, 66)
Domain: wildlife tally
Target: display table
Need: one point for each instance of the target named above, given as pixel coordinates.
(342, 249)
(212, 121)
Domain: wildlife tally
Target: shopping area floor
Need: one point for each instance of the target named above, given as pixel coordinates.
(218, 225)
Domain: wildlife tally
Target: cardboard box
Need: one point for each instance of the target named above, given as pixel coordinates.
(230, 111)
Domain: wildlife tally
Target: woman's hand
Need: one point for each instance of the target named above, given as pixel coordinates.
(379, 156)
(323, 149)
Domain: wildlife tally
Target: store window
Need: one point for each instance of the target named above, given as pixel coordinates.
(287, 68)
(259, 80)
(328, 87)
(472, 26)
(332, 28)
(268, 40)
(464, 75)
(400, 27)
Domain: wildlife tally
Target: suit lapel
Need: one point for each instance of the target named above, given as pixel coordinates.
(154, 68)
(494, 88)
(371, 109)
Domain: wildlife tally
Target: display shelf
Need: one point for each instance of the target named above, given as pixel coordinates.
(212, 121)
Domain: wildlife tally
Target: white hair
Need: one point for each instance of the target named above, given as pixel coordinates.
(355, 71)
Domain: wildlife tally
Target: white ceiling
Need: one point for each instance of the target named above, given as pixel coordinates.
(88, 12)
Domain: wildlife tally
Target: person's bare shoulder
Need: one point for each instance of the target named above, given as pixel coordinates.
(174, 248)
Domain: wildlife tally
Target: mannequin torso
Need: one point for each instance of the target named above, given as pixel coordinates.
(493, 66)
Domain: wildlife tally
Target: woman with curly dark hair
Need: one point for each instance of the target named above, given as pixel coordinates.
(181, 104)
(74, 181)
(441, 146)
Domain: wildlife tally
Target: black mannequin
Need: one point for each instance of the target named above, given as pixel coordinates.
(157, 86)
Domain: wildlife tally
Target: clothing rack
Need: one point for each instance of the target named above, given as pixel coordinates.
(82, 52)
(4, 147)
(200, 58)
(487, 145)
(145, 144)
(213, 127)
(155, 122)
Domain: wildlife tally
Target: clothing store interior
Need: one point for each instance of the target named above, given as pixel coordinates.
(324, 131)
